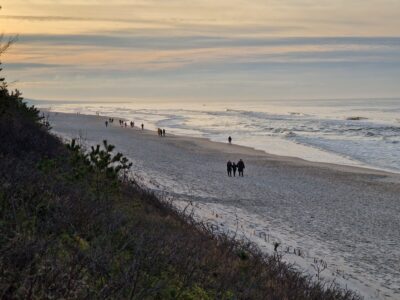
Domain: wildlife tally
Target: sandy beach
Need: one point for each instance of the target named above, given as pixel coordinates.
(346, 216)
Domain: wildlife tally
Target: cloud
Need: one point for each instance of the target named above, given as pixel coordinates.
(23, 66)
(237, 47)
(105, 55)
(157, 53)
(162, 42)
(291, 17)
(80, 19)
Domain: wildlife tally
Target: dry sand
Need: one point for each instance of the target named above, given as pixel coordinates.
(347, 216)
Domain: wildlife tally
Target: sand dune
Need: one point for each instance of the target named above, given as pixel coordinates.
(347, 216)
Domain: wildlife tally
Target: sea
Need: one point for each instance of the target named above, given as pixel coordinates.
(355, 132)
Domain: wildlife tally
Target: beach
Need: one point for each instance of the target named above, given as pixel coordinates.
(347, 216)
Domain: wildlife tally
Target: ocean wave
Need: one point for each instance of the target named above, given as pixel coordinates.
(290, 134)
(352, 133)
(356, 118)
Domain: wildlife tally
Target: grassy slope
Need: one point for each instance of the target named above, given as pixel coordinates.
(67, 231)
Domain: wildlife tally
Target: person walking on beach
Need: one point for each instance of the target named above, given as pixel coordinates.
(240, 166)
(106, 123)
(234, 168)
(229, 168)
(142, 126)
(230, 140)
(163, 132)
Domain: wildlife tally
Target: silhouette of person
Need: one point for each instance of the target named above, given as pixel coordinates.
(142, 126)
(240, 166)
(106, 123)
(230, 140)
(163, 132)
(234, 167)
(229, 168)
(131, 124)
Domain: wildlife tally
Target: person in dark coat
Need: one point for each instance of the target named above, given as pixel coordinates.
(229, 168)
(234, 168)
(106, 123)
(230, 140)
(240, 166)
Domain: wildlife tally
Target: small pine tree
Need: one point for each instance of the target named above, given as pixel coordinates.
(102, 163)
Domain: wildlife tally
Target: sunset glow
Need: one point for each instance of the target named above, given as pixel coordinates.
(181, 49)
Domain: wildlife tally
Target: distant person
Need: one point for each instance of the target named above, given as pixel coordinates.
(106, 123)
(131, 124)
(230, 140)
(234, 168)
(229, 168)
(240, 166)
(163, 132)
(126, 124)
(159, 132)
(142, 126)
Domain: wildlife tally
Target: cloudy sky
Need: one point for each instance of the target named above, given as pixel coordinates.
(203, 49)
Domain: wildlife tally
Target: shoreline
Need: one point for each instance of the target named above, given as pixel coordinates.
(209, 144)
(248, 150)
(327, 211)
(315, 137)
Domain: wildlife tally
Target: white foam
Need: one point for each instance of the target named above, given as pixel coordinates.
(321, 134)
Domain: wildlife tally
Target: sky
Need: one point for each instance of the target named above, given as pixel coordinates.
(208, 50)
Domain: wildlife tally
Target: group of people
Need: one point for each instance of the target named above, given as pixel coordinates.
(161, 132)
(110, 120)
(122, 123)
(232, 167)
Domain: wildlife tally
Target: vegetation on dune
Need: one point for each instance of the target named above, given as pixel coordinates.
(72, 225)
